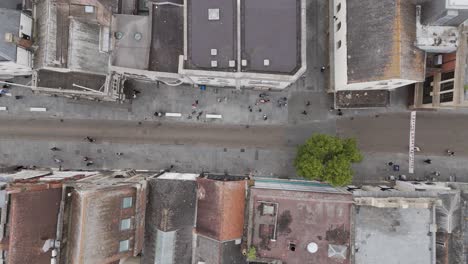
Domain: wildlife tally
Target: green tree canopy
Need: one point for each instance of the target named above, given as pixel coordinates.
(327, 158)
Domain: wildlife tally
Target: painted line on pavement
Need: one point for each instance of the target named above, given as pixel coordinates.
(411, 142)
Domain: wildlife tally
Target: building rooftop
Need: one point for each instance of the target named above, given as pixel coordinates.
(70, 80)
(73, 20)
(101, 212)
(170, 219)
(300, 226)
(32, 220)
(84, 51)
(267, 44)
(265, 37)
(220, 208)
(42, 175)
(10, 24)
(380, 41)
(10, 4)
(206, 33)
(216, 252)
(295, 185)
(167, 38)
(405, 231)
(132, 41)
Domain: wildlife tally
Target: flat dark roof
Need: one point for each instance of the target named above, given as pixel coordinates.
(271, 29)
(167, 38)
(204, 34)
(65, 80)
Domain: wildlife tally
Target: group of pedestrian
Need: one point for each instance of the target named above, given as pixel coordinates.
(86, 159)
(262, 100)
(307, 104)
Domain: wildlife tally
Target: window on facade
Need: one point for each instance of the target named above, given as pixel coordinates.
(127, 202)
(446, 97)
(447, 76)
(124, 245)
(125, 224)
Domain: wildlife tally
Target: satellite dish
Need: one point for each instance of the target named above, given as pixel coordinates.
(312, 247)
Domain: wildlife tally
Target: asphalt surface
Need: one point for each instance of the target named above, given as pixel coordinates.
(144, 132)
(385, 133)
(435, 132)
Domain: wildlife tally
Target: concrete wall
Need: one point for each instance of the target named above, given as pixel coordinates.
(441, 13)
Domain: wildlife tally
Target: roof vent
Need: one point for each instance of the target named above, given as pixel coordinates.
(118, 35)
(138, 36)
(312, 247)
(214, 52)
(214, 63)
(292, 247)
(337, 251)
(266, 62)
(9, 37)
(213, 14)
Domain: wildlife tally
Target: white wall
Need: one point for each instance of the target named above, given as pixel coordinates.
(10, 68)
(25, 25)
(377, 85)
(340, 54)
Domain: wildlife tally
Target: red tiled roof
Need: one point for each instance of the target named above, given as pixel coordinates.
(220, 210)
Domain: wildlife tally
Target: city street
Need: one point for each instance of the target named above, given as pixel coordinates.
(239, 143)
(266, 150)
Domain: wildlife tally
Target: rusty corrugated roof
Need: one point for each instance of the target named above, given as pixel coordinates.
(32, 220)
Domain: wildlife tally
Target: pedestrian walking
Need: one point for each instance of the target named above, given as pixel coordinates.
(304, 112)
(265, 117)
(428, 161)
(390, 163)
(58, 161)
(308, 103)
(322, 69)
(450, 153)
(55, 149)
(119, 153)
(86, 159)
(89, 163)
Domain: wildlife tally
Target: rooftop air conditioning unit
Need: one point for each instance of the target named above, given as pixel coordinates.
(9, 37)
